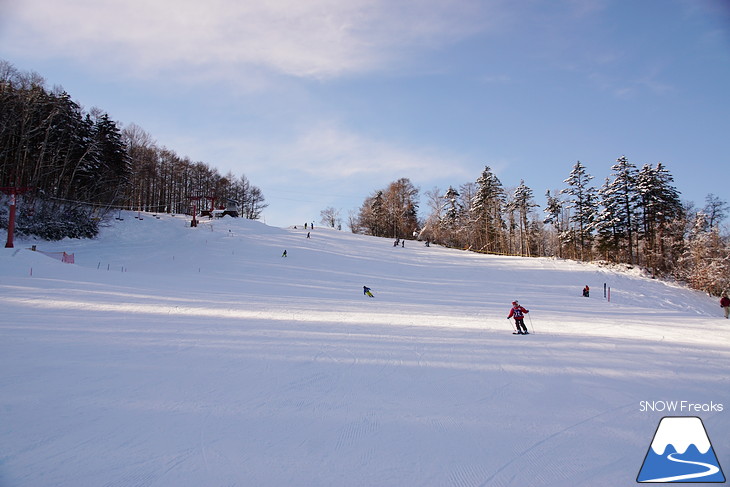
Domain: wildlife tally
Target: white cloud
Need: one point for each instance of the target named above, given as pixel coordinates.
(312, 38)
(329, 152)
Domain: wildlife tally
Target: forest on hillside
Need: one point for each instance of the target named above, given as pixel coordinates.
(635, 218)
(78, 166)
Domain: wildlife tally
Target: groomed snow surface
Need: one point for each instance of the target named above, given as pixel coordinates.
(171, 356)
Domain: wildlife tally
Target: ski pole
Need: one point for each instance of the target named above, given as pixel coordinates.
(531, 325)
(514, 328)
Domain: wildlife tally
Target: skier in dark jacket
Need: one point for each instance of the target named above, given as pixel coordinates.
(366, 291)
(518, 313)
(725, 304)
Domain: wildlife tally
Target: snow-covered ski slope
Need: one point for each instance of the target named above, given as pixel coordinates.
(176, 356)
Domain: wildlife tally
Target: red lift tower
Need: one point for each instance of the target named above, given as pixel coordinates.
(12, 192)
(195, 202)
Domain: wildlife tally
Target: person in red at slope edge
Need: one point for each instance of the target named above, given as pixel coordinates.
(725, 304)
(518, 313)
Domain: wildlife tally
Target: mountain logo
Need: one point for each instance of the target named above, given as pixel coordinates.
(681, 452)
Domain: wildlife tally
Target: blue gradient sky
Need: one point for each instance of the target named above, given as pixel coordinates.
(321, 102)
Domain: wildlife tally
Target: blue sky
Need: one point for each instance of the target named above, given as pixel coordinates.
(321, 102)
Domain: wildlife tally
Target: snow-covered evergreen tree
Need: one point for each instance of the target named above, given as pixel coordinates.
(488, 205)
(105, 172)
(555, 216)
(451, 222)
(616, 222)
(468, 218)
(523, 201)
(452, 208)
(583, 200)
(660, 207)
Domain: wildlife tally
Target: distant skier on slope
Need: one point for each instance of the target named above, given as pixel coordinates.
(725, 304)
(366, 291)
(586, 291)
(518, 313)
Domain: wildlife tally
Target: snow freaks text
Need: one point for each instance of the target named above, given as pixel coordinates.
(680, 407)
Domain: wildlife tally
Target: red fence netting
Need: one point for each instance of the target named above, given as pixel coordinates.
(62, 256)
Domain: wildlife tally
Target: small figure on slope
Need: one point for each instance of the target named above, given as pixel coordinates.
(725, 304)
(586, 291)
(518, 313)
(284, 254)
(366, 291)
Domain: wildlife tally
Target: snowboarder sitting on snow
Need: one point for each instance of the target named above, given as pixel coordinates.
(586, 291)
(518, 313)
(366, 291)
(725, 304)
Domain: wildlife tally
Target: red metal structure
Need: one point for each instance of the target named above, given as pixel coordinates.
(12, 192)
(196, 201)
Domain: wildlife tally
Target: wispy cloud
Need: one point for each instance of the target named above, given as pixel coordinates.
(650, 80)
(313, 38)
(330, 154)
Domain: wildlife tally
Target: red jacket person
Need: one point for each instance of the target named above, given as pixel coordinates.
(518, 313)
(725, 304)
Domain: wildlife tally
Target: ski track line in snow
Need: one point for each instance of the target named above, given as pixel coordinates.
(467, 475)
(355, 430)
(151, 471)
(519, 456)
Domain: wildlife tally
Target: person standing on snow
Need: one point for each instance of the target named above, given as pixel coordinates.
(725, 304)
(518, 313)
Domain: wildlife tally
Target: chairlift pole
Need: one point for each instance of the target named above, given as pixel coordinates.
(195, 200)
(12, 192)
